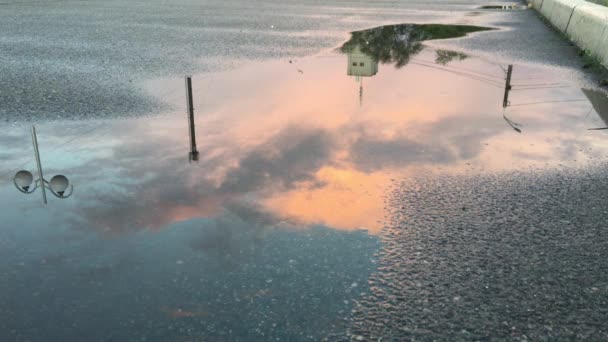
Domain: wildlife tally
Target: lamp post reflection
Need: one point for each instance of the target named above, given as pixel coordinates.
(24, 179)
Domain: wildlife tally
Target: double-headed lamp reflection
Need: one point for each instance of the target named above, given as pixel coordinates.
(59, 185)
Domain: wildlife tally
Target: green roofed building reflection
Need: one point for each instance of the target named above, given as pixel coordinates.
(397, 44)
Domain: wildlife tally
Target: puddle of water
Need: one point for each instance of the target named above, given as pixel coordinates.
(397, 43)
(276, 224)
(504, 7)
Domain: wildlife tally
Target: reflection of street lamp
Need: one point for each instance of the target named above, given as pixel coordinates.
(58, 185)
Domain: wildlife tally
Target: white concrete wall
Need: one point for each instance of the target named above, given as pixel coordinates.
(589, 29)
(559, 12)
(536, 3)
(585, 23)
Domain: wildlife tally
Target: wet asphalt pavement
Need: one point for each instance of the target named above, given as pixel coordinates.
(68, 59)
(401, 202)
(513, 256)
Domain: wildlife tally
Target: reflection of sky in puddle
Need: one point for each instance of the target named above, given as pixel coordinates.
(306, 150)
(224, 279)
(291, 154)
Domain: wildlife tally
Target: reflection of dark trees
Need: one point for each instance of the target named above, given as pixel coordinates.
(398, 43)
(443, 57)
(387, 44)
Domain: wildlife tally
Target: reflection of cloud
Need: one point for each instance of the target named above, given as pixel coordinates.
(441, 144)
(349, 199)
(154, 205)
(236, 233)
(20, 141)
(370, 153)
(292, 156)
(168, 190)
(12, 145)
(170, 193)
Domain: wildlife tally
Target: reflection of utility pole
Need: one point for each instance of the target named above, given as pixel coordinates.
(512, 123)
(193, 155)
(505, 101)
(360, 91)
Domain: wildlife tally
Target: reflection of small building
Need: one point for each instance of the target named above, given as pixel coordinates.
(360, 64)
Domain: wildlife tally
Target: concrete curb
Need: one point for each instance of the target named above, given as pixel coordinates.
(584, 23)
